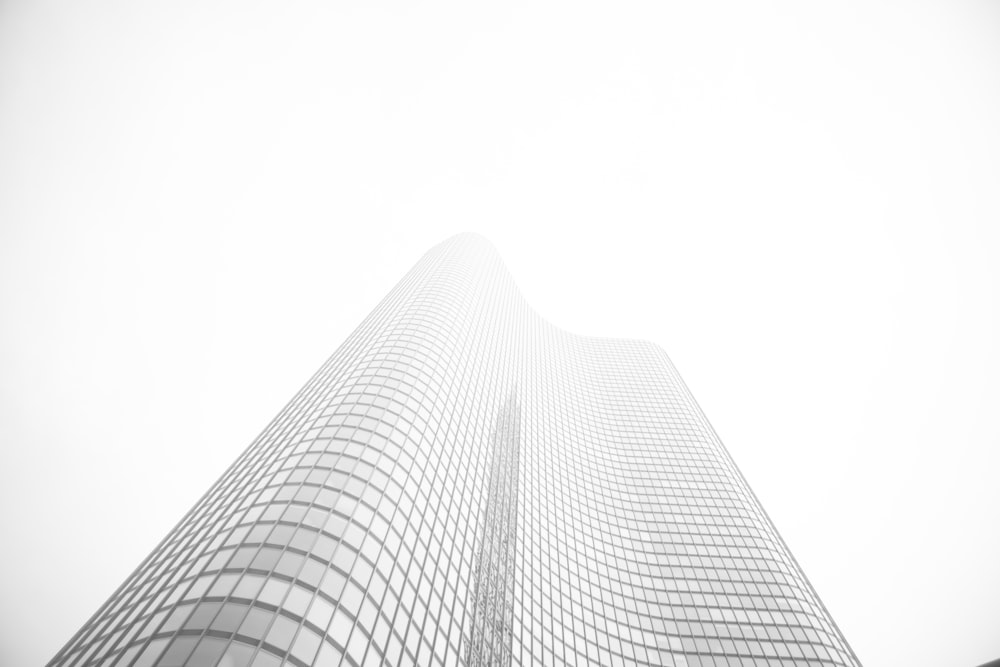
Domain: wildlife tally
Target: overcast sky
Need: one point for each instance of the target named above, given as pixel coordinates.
(799, 201)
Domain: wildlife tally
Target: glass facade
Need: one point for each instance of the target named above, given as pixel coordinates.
(462, 483)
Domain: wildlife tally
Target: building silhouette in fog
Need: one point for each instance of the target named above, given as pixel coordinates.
(462, 483)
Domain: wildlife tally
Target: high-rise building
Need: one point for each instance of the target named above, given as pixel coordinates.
(462, 483)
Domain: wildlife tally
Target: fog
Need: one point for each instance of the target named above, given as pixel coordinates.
(799, 202)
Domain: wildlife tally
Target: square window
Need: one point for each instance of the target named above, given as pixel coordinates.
(297, 601)
(229, 617)
(282, 632)
(274, 592)
(305, 646)
(256, 623)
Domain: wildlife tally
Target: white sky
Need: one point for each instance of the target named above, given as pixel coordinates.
(798, 201)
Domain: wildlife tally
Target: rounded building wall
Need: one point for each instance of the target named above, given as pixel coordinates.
(462, 483)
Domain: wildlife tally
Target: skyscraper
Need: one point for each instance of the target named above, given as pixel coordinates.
(462, 483)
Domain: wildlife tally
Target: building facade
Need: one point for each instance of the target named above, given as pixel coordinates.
(462, 483)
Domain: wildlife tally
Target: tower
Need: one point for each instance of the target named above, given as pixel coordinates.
(462, 483)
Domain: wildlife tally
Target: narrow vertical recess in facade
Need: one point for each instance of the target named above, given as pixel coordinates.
(464, 483)
(491, 630)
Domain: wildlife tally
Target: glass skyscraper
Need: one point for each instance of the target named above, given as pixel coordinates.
(462, 483)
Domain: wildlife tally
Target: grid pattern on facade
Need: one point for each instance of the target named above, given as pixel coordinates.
(461, 480)
(491, 628)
